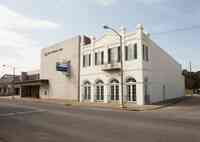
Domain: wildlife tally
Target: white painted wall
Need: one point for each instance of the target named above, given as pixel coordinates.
(162, 70)
(132, 68)
(60, 85)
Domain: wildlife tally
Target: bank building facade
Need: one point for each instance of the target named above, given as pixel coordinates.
(150, 74)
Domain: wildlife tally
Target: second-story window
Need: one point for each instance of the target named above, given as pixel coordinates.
(145, 51)
(99, 58)
(86, 60)
(113, 55)
(131, 52)
(102, 57)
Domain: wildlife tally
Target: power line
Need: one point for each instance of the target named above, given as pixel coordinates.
(178, 30)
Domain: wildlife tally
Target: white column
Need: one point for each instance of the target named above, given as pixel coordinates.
(93, 93)
(93, 39)
(106, 93)
(140, 43)
(140, 86)
(120, 94)
(81, 93)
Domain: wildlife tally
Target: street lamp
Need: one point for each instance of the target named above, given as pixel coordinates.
(121, 61)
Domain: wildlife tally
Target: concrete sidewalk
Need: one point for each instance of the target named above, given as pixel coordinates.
(116, 106)
(128, 107)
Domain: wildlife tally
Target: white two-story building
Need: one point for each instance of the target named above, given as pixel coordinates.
(150, 74)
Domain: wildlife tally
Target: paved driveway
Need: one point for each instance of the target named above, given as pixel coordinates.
(22, 121)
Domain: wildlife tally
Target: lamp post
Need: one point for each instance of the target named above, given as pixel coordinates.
(121, 62)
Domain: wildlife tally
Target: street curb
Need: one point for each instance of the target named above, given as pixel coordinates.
(76, 104)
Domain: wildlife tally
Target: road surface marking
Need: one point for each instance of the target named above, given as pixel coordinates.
(21, 113)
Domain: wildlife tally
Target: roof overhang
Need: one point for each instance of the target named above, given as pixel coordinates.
(39, 82)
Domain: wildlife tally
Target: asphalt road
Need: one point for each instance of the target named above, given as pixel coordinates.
(27, 121)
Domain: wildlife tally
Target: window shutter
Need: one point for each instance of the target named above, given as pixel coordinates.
(83, 60)
(119, 54)
(102, 57)
(126, 53)
(95, 58)
(135, 51)
(89, 59)
(109, 55)
(147, 53)
(143, 52)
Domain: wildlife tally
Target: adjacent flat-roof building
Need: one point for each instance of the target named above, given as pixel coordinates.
(30, 83)
(6, 85)
(60, 64)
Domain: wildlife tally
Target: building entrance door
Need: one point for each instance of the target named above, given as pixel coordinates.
(87, 94)
(114, 90)
(131, 89)
(131, 92)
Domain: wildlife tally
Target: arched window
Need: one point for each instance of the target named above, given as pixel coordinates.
(87, 90)
(99, 90)
(131, 89)
(114, 90)
(130, 80)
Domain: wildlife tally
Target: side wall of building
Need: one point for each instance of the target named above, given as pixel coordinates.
(164, 74)
(60, 85)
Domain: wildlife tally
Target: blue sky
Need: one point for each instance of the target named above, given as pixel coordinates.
(29, 25)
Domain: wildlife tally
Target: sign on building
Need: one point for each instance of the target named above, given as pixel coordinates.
(63, 67)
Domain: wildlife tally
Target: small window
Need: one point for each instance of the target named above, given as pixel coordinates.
(126, 53)
(102, 57)
(99, 58)
(131, 52)
(83, 60)
(95, 56)
(89, 59)
(86, 60)
(109, 55)
(114, 55)
(145, 52)
(135, 51)
(119, 54)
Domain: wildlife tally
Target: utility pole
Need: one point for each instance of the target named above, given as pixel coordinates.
(121, 62)
(13, 84)
(190, 77)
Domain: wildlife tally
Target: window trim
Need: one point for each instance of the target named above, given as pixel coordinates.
(102, 57)
(86, 60)
(131, 52)
(145, 52)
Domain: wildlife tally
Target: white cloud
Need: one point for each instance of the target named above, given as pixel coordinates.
(12, 20)
(150, 1)
(106, 2)
(17, 46)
